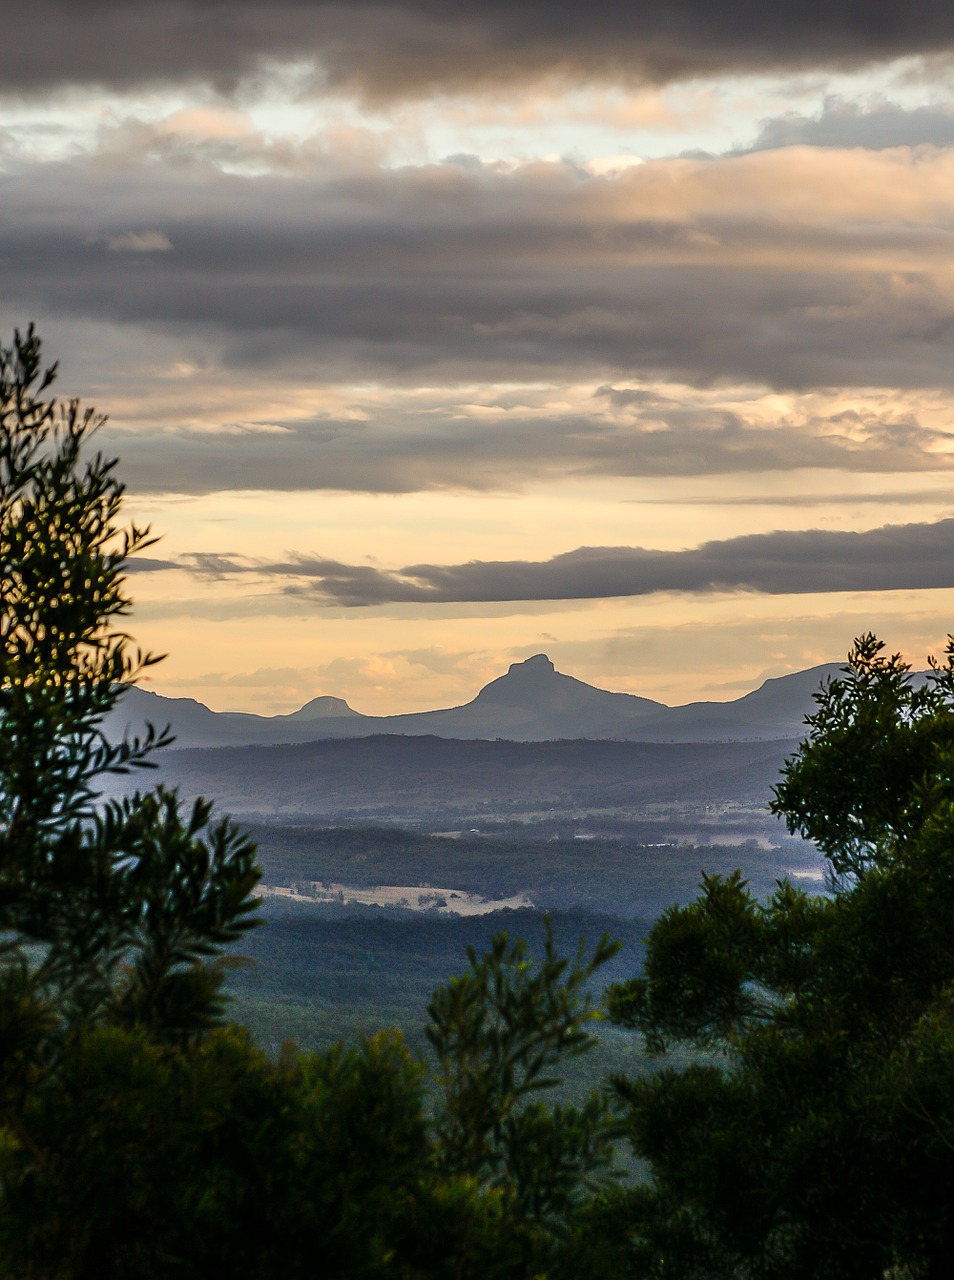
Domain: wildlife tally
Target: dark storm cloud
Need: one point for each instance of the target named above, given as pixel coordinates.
(846, 124)
(449, 274)
(894, 557)
(387, 48)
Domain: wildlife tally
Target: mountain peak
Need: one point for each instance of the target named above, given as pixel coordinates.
(539, 664)
(320, 708)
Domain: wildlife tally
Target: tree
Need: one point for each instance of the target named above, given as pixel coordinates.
(111, 913)
(500, 1032)
(140, 1159)
(819, 1141)
(139, 1135)
(856, 785)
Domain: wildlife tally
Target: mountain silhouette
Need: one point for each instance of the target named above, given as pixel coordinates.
(532, 702)
(319, 709)
(536, 683)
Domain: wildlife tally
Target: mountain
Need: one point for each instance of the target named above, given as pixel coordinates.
(439, 783)
(776, 709)
(533, 702)
(195, 725)
(320, 709)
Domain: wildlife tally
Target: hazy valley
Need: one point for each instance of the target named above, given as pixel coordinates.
(387, 845)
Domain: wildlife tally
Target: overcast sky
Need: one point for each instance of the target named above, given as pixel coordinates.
(434, 336)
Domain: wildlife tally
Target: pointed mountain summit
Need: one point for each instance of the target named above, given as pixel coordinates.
(533, 670)
(525, 683)
(543, 703)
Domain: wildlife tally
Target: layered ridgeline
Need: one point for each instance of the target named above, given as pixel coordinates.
(533, 702)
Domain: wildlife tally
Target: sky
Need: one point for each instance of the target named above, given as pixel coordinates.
(436, 336)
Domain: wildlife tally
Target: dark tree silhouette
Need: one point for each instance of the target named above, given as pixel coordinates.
(820, 1140)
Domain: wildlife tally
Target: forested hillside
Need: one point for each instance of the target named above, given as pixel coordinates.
(438, 782)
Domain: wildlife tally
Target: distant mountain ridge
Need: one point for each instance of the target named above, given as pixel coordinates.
(422, 778)
(533, 702)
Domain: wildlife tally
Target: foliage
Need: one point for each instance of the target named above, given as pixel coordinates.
(822, 1144)
(138, 1159)
(499, 1032)
(855, 785)
(107, 914)
(147, 1162)
(140, 1138)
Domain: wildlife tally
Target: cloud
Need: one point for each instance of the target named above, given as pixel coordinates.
(796, 268)
(891, 558)
(848, 124)
(139, 242)
(390, 48)
(212, 564)
(507, 441)
(144, 564)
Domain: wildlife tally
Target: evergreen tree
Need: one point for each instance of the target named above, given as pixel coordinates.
(817, 1138)
(108, 913)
